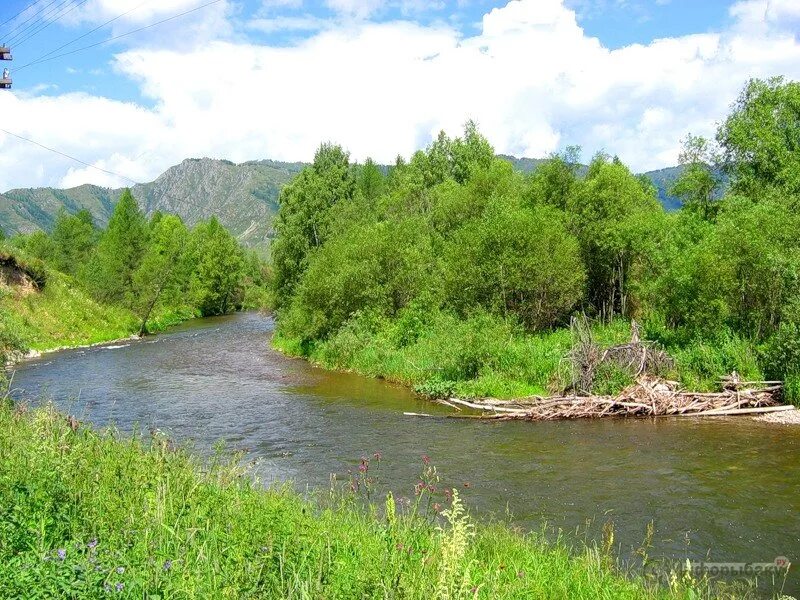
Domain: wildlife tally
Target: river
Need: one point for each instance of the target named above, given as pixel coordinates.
(722, 490)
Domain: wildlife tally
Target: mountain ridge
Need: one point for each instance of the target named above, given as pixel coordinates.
(243, 196)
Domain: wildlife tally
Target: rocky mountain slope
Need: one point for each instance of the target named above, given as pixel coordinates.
(244, 197)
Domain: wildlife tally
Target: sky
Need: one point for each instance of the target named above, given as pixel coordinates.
(255, 79)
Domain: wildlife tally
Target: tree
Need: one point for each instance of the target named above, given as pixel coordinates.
(162, 269)
(378, 267)
(119, 252)
(553, 181)
(697, 185)
(613, 216)
(760, 139)
(370, 180)
(515, 261)
(218, 265)
(74, 237)
(303, 223)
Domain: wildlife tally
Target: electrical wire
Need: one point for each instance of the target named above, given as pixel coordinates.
(50, 22)
(31, 5)
(22, 35)
(34, 16)
(88, 33)
(116, 37)
(184, 202)
(65, 155)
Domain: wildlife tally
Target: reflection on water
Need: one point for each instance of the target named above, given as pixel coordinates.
(727, 490)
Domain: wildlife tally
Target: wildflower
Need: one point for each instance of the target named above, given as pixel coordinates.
(167, 565)
(521, 574)
(437, 507)
(431, 488)
(400, 546)
(120, 570)
(448, 494)
(362, 468)
(62, 554)
(426, 459)
(107, 588)
(120, 586)
(92, 545)
(378, 456)
(418, 488)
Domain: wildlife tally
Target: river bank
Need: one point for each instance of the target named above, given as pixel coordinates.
(299, 423)
(131, 515)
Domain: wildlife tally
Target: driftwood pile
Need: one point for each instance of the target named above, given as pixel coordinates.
(649, 397)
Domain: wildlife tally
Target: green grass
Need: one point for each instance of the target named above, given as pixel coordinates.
(62, 314)
(84, 514)
(440, 354)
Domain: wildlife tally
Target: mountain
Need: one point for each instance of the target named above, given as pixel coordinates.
(244, 197)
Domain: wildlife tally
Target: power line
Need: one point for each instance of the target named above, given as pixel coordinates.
(183, 201)
(4, 23)
(35, 15)
(78, 160)
(20, 35)
(58, 18)
(80, 37)
(122, 35)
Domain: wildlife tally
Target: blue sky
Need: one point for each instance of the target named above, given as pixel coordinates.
(249, 79)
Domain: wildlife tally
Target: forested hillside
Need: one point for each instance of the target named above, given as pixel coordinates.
(81, 283)
(458, 273)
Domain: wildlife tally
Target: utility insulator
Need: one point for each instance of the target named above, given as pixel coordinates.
(5, 80)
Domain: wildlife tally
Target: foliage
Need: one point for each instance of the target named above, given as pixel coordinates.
(119, 252)
(218, 268)
(91, 514)
(134, 277)
(447, 271)
(698, 183)
(759, 139)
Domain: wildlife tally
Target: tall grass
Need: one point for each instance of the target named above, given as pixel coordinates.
(85, 514)
(440, 354)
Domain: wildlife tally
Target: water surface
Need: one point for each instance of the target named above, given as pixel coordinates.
(716, 489)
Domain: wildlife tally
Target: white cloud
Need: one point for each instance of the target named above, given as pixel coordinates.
(532, 78)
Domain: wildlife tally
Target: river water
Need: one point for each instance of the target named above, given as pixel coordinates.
(721, 490)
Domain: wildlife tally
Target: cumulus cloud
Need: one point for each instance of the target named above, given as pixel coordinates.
(532, 78)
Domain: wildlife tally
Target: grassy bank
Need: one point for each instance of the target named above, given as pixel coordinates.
(62, 314)
(438, 354)
(88, 514)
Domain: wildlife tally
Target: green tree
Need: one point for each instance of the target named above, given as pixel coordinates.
(376, 267)
(614, 217)
(74, 238)
(162, 270)
(119, 252)
(303, 220)
(218, 268)
(370, 180)
(698, 185)
(554, 181)
(515, 261)
(760, 139)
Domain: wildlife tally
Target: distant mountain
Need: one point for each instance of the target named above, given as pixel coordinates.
(243, 197)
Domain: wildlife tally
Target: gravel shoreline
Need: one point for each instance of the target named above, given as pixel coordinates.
(787, 417)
